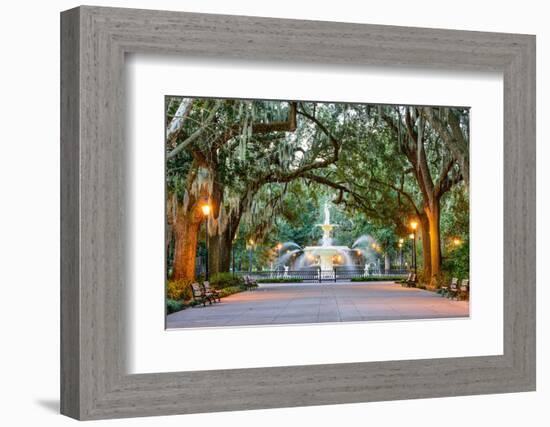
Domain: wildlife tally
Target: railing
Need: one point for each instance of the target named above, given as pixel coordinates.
(317, 275)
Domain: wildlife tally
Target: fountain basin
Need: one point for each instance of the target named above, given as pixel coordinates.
(325, 250)
(326, 254)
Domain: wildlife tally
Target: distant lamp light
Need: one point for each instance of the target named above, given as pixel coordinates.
(401, 241)
(206, 209)
(279, 246)
(411, 236)
(457, 241)
(414, 225)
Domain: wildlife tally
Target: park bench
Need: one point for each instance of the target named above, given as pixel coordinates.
(411, 281)
(249, 282)
(406, 280)
(453, 290)
(211, 293)
(199, 295)
(445, 288)
(464, 290)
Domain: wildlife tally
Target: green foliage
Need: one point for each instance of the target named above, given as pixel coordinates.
(455, 224)
(230, 290)
(457, 261)
(280, 280)
(300, 213)
(172, 306)
(226, 280)
(179, 290)
(377, 279)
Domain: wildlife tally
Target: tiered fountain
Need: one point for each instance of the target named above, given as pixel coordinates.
(327, 255)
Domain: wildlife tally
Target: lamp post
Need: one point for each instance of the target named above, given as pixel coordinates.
(401, 241)
(206, 212)
(232, 249)
(251, 245)
(411, 237)
(233, 256)
(279, 247)
(414, 226)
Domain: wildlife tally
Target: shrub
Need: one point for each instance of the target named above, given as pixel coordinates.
(280, 280)
(441, 279)
(420, 278)
(172, 306)
(225, 280)
(377, 279)
(456, 263)
(230, 290)
(179, 290)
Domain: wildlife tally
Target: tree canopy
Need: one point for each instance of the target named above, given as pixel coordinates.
(267, 167)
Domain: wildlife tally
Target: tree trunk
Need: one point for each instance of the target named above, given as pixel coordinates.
(184, 223)
(214, 248)
(185, 250)
(433, 214)
(426, 249)
(225, 250)
(219, 248)
(215, 245)
(219, 253)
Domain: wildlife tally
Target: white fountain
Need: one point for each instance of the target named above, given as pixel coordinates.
(327, 254)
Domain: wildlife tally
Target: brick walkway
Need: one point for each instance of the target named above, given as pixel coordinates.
(276, 304)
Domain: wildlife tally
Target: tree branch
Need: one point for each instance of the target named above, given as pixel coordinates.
(453, 136)
(399, 190)
(360, 200)
(441, 189)
(261, 128)
(195, 135)
(335, 142)
(177, 122)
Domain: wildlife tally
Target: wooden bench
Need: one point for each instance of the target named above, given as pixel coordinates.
(464, 291)
(211, 293)
(249, 282)
(404, 282)
(411, 281)
(445, 289)
(199, 295)
(452, 292)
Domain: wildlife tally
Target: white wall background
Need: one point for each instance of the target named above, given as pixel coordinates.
(29, 212)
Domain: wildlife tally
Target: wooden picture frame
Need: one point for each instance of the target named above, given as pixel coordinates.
(94, 382)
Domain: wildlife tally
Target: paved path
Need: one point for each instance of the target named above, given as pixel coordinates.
(275, 304)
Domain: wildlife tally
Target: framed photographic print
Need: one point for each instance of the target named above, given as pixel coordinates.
(292, 213)
(313, 205)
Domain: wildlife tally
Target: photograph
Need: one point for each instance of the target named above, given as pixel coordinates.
(286, 212)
